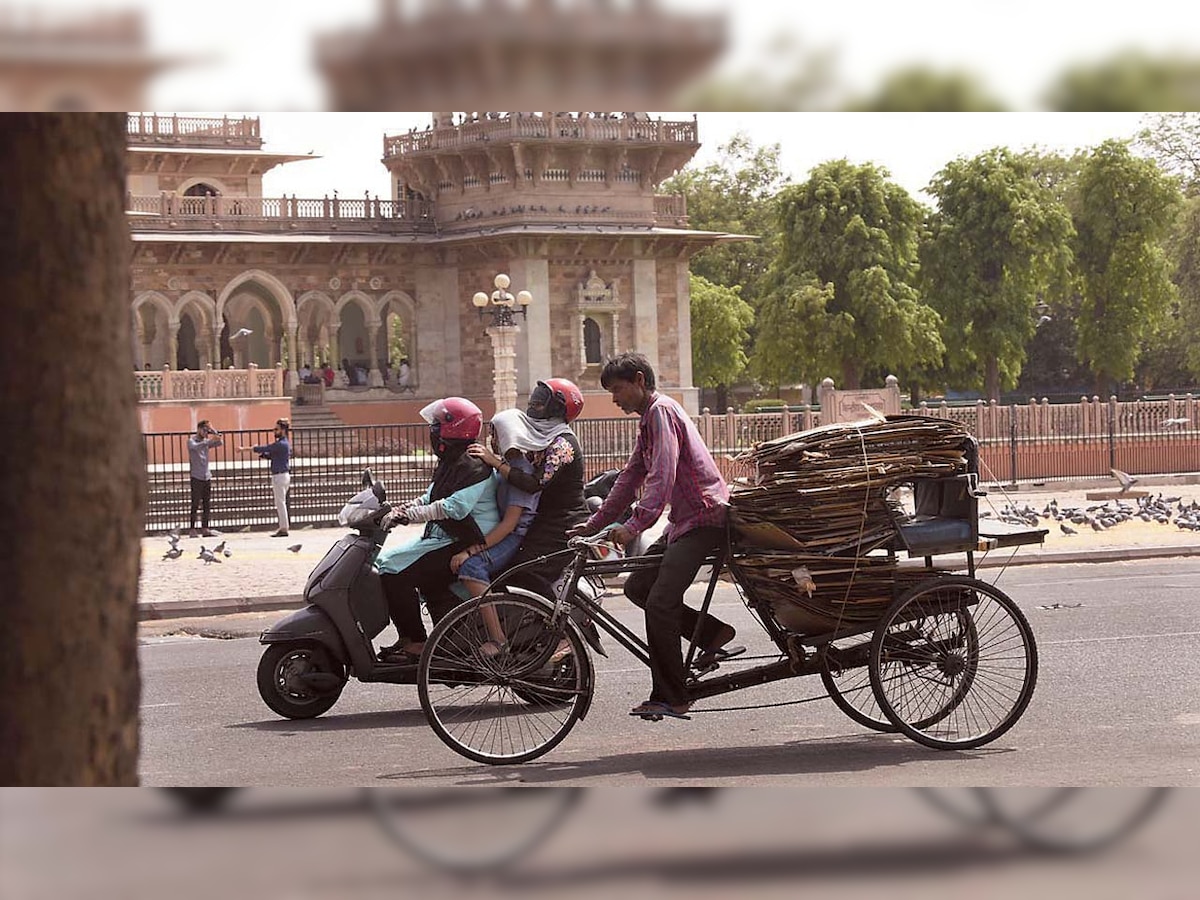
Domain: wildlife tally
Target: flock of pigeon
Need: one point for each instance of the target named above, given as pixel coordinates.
(1110, 513)
(209, 556)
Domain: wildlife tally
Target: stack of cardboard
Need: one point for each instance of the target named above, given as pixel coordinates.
(819, 505)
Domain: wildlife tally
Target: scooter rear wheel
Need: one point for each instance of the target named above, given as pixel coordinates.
(280, 679)
(511, 706)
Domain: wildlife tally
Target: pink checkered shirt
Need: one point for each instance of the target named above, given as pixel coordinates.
(673, 462)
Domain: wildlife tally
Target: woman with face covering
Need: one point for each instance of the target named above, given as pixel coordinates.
(459, 508)
(544, 433)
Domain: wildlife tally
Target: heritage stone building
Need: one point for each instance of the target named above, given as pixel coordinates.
(565, 204)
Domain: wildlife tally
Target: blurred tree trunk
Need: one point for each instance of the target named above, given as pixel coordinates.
(72, 483)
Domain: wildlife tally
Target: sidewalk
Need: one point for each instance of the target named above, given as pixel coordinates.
(262, 574)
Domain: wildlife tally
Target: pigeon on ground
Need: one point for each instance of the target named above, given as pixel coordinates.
(1067, 529)
(1127, 480)
(207, 556)
(295, 548)
(173, 540)
(173, 553)
(220, 548)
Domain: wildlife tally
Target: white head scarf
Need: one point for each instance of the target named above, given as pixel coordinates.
(515, 429)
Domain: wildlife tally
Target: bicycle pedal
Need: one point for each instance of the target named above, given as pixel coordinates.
(697, 671)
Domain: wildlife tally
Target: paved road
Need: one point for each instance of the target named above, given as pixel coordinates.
(286, 844)
(1117, 703)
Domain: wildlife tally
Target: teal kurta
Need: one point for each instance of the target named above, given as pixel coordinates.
(477, 501)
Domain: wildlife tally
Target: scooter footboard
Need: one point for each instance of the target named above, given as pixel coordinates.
(307, 624)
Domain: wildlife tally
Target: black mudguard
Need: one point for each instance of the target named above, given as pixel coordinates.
(307, 624)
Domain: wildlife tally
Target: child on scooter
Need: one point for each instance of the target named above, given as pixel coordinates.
(477, 565)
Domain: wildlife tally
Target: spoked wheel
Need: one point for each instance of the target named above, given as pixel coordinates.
(299, 681)
(1074, 819)
(512, 706)
(953, 663)
(470, 831)
(845, 674)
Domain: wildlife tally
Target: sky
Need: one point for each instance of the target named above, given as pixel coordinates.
(912, 146)
(257, 53)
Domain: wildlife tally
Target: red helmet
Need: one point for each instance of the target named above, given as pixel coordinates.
(560, 397)
(456, 418)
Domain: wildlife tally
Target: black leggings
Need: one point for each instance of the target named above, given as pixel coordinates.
(429, 577)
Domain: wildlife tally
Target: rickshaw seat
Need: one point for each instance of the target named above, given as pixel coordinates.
(945, 519)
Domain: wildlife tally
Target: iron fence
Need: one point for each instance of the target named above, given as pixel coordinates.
(327, 466)
(1017, 444)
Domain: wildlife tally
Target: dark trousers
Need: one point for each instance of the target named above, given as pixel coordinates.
(429, 577)
(660, 593)
(201, 494)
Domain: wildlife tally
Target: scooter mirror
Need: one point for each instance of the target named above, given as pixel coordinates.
(368, 478)
(378, 491)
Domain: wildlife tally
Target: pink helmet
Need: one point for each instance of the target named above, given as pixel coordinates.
(455, 418)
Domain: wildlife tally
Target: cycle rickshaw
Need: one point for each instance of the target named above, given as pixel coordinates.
(831, 546)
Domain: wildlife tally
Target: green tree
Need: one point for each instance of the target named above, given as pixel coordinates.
(1181, 329)
(1124, 209)
(841, 294)
(999, 240)
(1129, 81)
(720, 319)
(1173, 139)
(736, 195)
(923, 89)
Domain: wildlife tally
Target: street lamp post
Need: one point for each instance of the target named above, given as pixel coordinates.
(503, 332)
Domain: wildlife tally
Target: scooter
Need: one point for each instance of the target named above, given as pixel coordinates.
(312, 653)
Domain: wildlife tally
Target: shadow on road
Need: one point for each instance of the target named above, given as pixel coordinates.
(396, 718)
(857, 753)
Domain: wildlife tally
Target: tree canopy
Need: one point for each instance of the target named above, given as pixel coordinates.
(736, 195)
(1124, 209)
(999, 241)
(840, 294)
(720, 323)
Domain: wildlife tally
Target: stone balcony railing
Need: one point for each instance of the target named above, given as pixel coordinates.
(193, 131)
(210, 384)
(534, 128)
(170, 212)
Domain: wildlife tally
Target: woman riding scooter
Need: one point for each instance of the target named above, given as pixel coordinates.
(459, 509)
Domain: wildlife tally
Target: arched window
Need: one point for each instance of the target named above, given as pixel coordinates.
(591, 342)
(200, 189)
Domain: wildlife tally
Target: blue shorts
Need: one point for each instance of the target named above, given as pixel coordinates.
(490, 563)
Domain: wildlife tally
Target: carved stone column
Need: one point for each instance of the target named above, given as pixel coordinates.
(504, 360)
(203, 343)
(374, 376)
(335, 351)
(173, 345)
(292, 367)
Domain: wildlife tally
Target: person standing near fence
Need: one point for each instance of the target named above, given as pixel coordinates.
(279, 452)
(205, 438)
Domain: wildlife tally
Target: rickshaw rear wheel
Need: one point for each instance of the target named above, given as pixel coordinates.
(953, 663)
(849, 687)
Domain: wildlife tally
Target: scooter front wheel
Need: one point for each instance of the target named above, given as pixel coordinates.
(299, 681)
